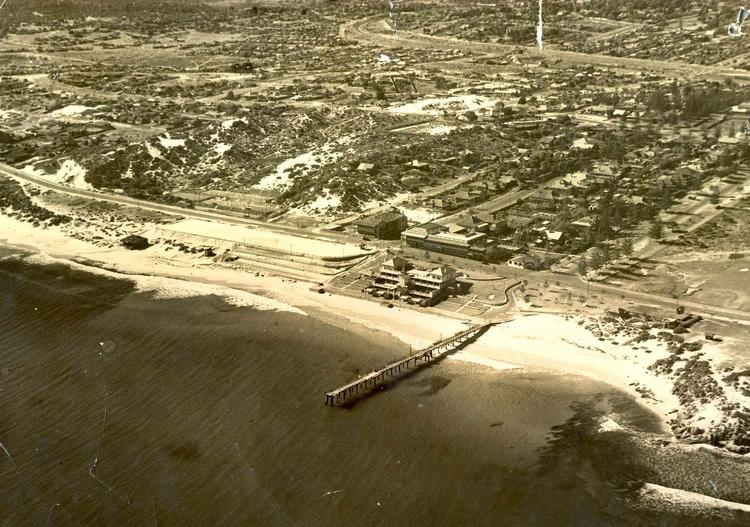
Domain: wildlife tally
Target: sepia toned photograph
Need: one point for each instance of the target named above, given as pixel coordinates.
(394, 263)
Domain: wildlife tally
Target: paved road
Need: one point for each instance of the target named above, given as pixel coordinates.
(368, 30)
(152, 206)
(576, 283)
(670, 303)
(500, 202)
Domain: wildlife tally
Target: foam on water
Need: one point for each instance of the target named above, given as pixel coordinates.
(170, 288)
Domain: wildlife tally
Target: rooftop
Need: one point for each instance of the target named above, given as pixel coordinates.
(371, 221)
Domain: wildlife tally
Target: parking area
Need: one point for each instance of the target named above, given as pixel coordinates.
(351, 282)
(464, 305)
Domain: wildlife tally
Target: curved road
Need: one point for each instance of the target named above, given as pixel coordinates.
(362, 30)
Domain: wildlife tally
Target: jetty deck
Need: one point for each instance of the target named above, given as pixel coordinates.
(365, 383)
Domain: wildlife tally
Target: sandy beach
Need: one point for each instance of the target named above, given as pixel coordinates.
(553, 343)
(186, 275)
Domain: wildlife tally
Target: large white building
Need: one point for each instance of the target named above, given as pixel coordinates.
(398, 276)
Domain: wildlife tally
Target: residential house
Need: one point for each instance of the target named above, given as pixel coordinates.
(414, 235)
(469, 157)
(504, 183)
(367, 168)
(544, 200)
(462, 198)
(603, 172)
(690, 176)
(474, 223)
(581, 227)
(525, 261)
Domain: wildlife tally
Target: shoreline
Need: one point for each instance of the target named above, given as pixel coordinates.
(542, 342)
(410, 327)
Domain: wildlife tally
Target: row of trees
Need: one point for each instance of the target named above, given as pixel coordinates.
(605, 253)
(637, 9)
(693, 103)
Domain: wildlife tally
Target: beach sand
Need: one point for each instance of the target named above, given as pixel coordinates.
(546, 342)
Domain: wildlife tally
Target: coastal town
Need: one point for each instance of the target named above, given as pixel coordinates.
(432, 168)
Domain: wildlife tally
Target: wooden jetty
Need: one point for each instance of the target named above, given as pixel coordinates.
(436, 351)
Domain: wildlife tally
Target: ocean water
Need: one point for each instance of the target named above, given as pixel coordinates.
(120, 409)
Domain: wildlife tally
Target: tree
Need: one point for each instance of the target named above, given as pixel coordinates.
(583, 266)
(597, 259)
(379, 92)
(715, 194)
(677, 101)
(606, 251)
(626, 246)
(666, 198)
(614, 252)
(658, 102)
(521, 236)
(657, 229)
(731, 129)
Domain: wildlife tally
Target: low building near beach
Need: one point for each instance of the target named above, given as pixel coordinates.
(525, 261)
(385, 226)
(135, 242)
(439, 238)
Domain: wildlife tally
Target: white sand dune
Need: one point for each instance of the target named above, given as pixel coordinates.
(71, 109)
(167, 142)
(70, 173)
(434, 106)
(686, 500)
(281, 179)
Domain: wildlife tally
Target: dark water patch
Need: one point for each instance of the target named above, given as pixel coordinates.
(588, 474)
(50, 290)
(432, 384)
(6, 251)
(188, 451)
(602, 475)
